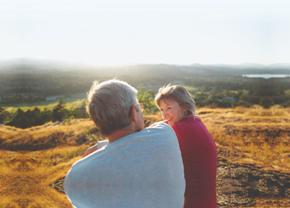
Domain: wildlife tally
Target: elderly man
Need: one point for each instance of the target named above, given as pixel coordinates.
(137, 168)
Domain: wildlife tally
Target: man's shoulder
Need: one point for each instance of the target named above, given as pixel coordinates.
(159, 129)
(158, 134)
(159, 126)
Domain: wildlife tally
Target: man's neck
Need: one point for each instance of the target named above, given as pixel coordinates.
(120, 133)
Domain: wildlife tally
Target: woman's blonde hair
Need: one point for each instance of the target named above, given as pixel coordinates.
(178, 94)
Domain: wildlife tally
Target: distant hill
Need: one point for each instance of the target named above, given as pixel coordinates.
(31, 81)
(25, 65)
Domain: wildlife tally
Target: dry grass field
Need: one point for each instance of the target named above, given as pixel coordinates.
(34, 161)
(252, 135)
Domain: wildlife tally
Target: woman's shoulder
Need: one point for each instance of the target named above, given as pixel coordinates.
(188, 119)
(187, 123)
(183, 124)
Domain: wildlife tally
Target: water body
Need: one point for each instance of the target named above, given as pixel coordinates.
(266, 76)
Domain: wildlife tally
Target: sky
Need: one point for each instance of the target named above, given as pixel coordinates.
(112, 32)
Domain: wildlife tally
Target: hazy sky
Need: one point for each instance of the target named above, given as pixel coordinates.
(146, 31)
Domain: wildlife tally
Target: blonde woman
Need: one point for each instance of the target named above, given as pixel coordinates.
(196, 144)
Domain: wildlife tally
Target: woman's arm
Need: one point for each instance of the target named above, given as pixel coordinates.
(97, 146)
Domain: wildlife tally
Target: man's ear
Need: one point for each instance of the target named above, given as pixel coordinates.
(133, 113)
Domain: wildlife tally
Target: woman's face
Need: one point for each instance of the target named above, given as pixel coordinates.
(171, 111)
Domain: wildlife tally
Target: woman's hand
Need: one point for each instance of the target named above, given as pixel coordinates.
(94, 148)
(90, 150)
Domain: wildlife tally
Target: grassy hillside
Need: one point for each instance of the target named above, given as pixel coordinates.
(257, 136)
(253, 151)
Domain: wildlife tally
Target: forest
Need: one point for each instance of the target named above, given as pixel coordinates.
(36, 85)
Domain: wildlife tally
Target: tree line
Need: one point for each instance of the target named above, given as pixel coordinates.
(217, 97)
(216, 85)
(36, 116)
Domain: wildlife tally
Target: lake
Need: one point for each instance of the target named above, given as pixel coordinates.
(266, 76)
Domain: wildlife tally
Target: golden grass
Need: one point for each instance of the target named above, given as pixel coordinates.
(252, 135)
(243, 135)
(27, 177)
(262, 203)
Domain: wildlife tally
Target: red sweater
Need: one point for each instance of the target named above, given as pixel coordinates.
(200, 162)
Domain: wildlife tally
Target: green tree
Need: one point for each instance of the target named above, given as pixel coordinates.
(79, 112)
(2, 115)
(20, 119)
(58, 112)
(266, 102)
(147, 99)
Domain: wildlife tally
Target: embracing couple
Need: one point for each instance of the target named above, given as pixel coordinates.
(170, 164)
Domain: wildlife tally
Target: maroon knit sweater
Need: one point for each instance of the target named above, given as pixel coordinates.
(200, 162)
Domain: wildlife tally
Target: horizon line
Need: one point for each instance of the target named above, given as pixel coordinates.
(81, 63)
